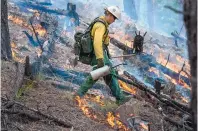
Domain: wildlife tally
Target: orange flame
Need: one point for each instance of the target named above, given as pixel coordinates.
(21, 22)
(31, 10)
(144, 126)
(39, 52)
(181, 82)
(96, 99)
(16, 20)
(185, 100)
(171, 79)
(13, 45)
(114, 121)
(14, 53)
(85, 108)
(126, 87)
(172, 66)
(40, 30)
(156, 71)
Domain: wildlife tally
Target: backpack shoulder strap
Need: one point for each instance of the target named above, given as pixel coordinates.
(97, 20)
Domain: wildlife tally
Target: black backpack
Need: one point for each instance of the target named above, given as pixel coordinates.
(83, 46)
(138, 43)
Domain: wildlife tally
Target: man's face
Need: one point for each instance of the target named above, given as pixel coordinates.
(111, 18)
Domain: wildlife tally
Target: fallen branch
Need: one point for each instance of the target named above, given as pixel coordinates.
(161, 97)
(56, 120)
(32, 117)
(120, 44)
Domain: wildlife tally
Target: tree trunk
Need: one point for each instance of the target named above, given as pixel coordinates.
(6, 52)
(190, 19)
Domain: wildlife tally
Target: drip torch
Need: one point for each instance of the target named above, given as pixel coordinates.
(103, 71)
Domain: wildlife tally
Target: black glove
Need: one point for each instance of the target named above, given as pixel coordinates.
(100, 63)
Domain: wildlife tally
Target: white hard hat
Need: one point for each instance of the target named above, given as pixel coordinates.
(115, 11)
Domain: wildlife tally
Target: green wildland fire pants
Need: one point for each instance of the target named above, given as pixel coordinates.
(110, 80)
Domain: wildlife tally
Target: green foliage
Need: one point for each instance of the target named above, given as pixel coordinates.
(29, 85)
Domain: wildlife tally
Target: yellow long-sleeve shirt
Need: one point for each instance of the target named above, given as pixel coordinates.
(98, 34)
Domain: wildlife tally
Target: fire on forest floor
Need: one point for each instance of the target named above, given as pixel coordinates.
(23, 23)
(112, 119)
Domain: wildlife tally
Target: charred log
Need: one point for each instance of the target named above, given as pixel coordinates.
(161, 97)
(120, 45)
(164, 99)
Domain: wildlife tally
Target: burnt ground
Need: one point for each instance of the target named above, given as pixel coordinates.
(57, 103)
(42, 96)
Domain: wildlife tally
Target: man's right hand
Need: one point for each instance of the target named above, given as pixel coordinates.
(100, 63)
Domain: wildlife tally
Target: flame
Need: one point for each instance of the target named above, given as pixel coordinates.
(172, 66)
(153, 69)
(13, 45)
(161, 59)
(184, 99)
(126, 87)
(144, 126)
(31, 10)
(14, 53)
(179, 58)
(16, 20)
(171, 79)
(182, 83)
(21, 22)
(40, 30)
(96, 99)
(39, 52)
(85, 108)
(114, 121)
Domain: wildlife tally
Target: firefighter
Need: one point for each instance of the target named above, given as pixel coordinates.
(100, 58)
